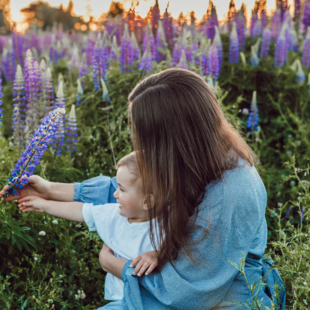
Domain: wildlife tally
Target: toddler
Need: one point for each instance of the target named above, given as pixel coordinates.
(123, 226)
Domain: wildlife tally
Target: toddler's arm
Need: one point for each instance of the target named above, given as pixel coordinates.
(146, 260)
(67, 210)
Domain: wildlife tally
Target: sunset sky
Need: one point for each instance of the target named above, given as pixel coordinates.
(175, 7)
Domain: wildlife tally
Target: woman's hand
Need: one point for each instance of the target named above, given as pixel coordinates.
(145, 261)
(36, 186)
(111, 263)
(32, 203)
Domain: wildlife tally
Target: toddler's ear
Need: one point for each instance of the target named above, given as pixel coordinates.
(148, 202)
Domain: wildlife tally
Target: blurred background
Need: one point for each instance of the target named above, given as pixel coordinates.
(85, 15)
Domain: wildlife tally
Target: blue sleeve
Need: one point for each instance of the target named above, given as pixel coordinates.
(232, 210)
(97, 191)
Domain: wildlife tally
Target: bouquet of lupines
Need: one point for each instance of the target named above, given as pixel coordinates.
(33, 153)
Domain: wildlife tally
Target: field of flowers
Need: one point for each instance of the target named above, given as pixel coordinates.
(260, 75)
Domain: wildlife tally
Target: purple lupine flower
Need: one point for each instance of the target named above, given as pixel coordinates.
(103, 61)
(197, 53)
(71, 131)
(136, 48)
(182, 63)
(219, 46)
(96, 64)
(126, 54)
(265, 43)
(83, 70)
(32, 89)
(254, 20)
(240, 22)
(49, 91)
(176, 56)
(146, 61)
(293, 42)
(168, 27)
(148, 37)
(281, 50)
(306, 14)
(155, 18)
(306, 50)
(79, 93)
(257, 31)
(59, 138)
(254, 58)
(233, 45)
(206, 61)
(263, 19)
(34, 151)
(1, 109)
(276, 24)
(161, 44)
(105, 93)
(19, 105)
(114, 53)
(253, 118)
(215, 61)
(211, 23)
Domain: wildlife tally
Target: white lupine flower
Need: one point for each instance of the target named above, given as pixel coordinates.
(42, 233)
(55, 222)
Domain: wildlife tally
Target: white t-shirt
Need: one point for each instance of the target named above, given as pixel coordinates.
(127, 240)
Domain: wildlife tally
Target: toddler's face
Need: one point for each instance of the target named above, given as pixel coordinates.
(128, 196)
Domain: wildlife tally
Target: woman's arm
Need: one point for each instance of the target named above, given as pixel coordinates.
(111, 263)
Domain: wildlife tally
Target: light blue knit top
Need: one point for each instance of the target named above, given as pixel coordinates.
(234, 210)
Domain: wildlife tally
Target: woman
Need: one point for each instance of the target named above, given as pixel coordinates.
(209, 200)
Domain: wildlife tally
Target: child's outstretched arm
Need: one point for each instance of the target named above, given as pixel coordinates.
(147, 260)
(67, 210)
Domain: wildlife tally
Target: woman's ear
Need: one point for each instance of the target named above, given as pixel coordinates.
(148, 202)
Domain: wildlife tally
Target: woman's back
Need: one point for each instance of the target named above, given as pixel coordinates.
(233, 210)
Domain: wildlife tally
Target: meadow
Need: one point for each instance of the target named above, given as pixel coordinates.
(261, 77)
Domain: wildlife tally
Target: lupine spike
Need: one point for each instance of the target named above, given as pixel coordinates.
(146, 62)
(148, 37)
(276, 24)
(126, 54)
(253, 118)
(206, 61)
(49, 91)
(265, 43)
(219, 46)
(182, 63)
(79, 92)
(306, 14)
(300, 74)
(18, 121)
(34, 151)
(281, 50)
(233, 45)
(161, 44)
(240, 22)
(105, 93)
(115, 50)
(135, 45)
(96, 64)
(83, 67)
(306, 50)
(71, 131)
(214, 57)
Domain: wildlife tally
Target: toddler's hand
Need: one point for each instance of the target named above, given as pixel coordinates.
(32, 203)
(145, 261)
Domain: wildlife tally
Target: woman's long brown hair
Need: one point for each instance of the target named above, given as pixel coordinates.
(183, 143)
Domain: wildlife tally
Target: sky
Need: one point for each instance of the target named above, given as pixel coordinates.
(175, 7)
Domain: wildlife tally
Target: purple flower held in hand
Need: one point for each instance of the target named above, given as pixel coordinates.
(253, 118)
(233, 45)
(71, 131)
(146, 61)
(306, 50)
(126, 54)
(34, 151)
(265, 43)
